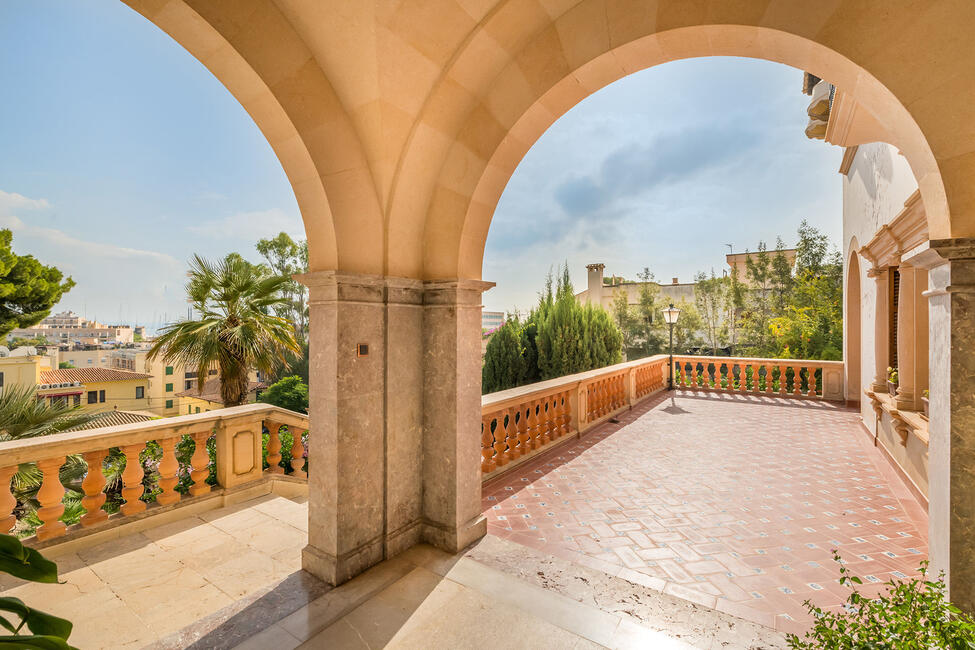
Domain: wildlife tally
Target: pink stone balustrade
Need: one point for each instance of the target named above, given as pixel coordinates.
(799, 378)
(518, 423)
(239, 447)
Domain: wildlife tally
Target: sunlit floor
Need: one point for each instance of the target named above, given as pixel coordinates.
(734, 502)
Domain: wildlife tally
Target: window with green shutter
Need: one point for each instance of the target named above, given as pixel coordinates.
(169, 370)
(169, 388)
(169, 403)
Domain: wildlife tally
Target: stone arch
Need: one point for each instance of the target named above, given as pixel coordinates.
(852, 325)
(253, 51)
(578, 53)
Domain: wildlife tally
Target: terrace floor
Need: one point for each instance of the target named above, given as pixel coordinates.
(664, 530)
(734, 502)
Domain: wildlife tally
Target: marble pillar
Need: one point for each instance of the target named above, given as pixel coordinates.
(346, 446)
(881, 335)
(951, 311)
(394, 410)
(452, 413)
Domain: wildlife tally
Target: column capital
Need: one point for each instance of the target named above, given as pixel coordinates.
(878, 272)
(454, 292)
(938, 252)
(335, 286)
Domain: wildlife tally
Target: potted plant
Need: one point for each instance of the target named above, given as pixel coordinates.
(891, 381)
(924, 400)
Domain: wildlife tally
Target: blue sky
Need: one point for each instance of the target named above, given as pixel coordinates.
(123, 156)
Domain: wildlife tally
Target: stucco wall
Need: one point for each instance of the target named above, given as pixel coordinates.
(874, 191)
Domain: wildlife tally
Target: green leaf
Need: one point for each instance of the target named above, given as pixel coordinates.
(40, 642)
(856, 580)
(37, 621)
(25, 563)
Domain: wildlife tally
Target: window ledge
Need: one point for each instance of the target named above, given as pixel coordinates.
(906, 423)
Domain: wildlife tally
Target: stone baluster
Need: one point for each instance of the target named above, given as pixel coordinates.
(742, 377)
(487, 446)
(93, 486)
(694, 374)
(782, 389)
(811, 392)
(497, 439)
(132, 487)
(7, 500)
(168, 470)
(561, 404)
(524, 436)
(536, 423)
(50, 496)
(547, 412)
(200, 464)
(274, 448)
(506, 418)
(298, 456)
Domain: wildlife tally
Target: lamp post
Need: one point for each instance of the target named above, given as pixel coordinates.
(670, 317)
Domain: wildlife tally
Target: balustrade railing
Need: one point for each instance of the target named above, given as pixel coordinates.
(101, 474)
(519, 422)
(782, 377)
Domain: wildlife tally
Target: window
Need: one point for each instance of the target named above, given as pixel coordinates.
(1, 380)
(190, 374)
(894, 304)
(93, 397)
(212, 372)
(140, 392)
(189, 409)
(101, 396)
(169, 403)
(77, 400)
(169, 388)
(187, 384)
(197, 409)
(169, 370)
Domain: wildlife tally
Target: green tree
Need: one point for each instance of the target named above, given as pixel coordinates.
(28, 289)
(624, 317)
(770, 281)
(19, 341)
(734, 307)
(289, 393)
(504, 362)
(287, 258)
(647, 318)
(709, 297)
(236, 328)
(687, 328)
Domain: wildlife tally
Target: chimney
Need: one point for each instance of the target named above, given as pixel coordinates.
(675, 281)
(595, 283)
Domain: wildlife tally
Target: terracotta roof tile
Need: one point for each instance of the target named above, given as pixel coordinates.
(88, 375)
(115, 418)
(211, 390)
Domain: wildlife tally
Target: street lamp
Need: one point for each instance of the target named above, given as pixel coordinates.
(670, 317)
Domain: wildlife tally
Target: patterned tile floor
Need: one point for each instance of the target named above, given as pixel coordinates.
(735, 502)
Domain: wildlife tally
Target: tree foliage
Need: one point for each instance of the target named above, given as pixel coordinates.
(559, 337)
(287, 258)
(236, 329)
(28, 289)
(289, 393)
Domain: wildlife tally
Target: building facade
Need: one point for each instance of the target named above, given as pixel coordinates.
(68, 328)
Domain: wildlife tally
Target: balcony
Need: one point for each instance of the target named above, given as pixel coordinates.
(619, 515)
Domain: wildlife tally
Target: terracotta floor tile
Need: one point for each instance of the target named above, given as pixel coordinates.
(738, 497)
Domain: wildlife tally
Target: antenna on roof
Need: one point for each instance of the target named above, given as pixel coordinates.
(731, 249)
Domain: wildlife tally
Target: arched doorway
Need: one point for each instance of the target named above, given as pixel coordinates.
(851, 326)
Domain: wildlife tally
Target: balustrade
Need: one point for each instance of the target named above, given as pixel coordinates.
(155, 454)
(520, 422)
(794, 378)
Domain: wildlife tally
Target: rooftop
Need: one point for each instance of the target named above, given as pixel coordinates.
(211, 390)
(88, 375)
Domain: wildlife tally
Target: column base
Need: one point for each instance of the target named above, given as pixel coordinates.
(454, 539)
(336, 570)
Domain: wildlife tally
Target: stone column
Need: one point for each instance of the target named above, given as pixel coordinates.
(881, 335)
(452, 413)
(347, 417)
(905, 338)
(951, 311)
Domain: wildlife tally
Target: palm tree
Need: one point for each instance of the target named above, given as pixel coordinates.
(236, 329)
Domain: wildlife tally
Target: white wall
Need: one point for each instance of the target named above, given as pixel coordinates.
(874, 191)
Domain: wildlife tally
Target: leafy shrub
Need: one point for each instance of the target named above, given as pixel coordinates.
(913, 614)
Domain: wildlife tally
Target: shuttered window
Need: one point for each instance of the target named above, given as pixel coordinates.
(895, 287)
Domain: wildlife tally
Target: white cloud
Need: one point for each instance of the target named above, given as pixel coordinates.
(11, 201)
(251, 225)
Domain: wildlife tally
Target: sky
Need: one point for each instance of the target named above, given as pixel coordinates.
(122, 156)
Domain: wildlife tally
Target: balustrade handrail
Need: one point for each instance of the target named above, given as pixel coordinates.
(827, 385)
(26, 450)
(777, 361)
